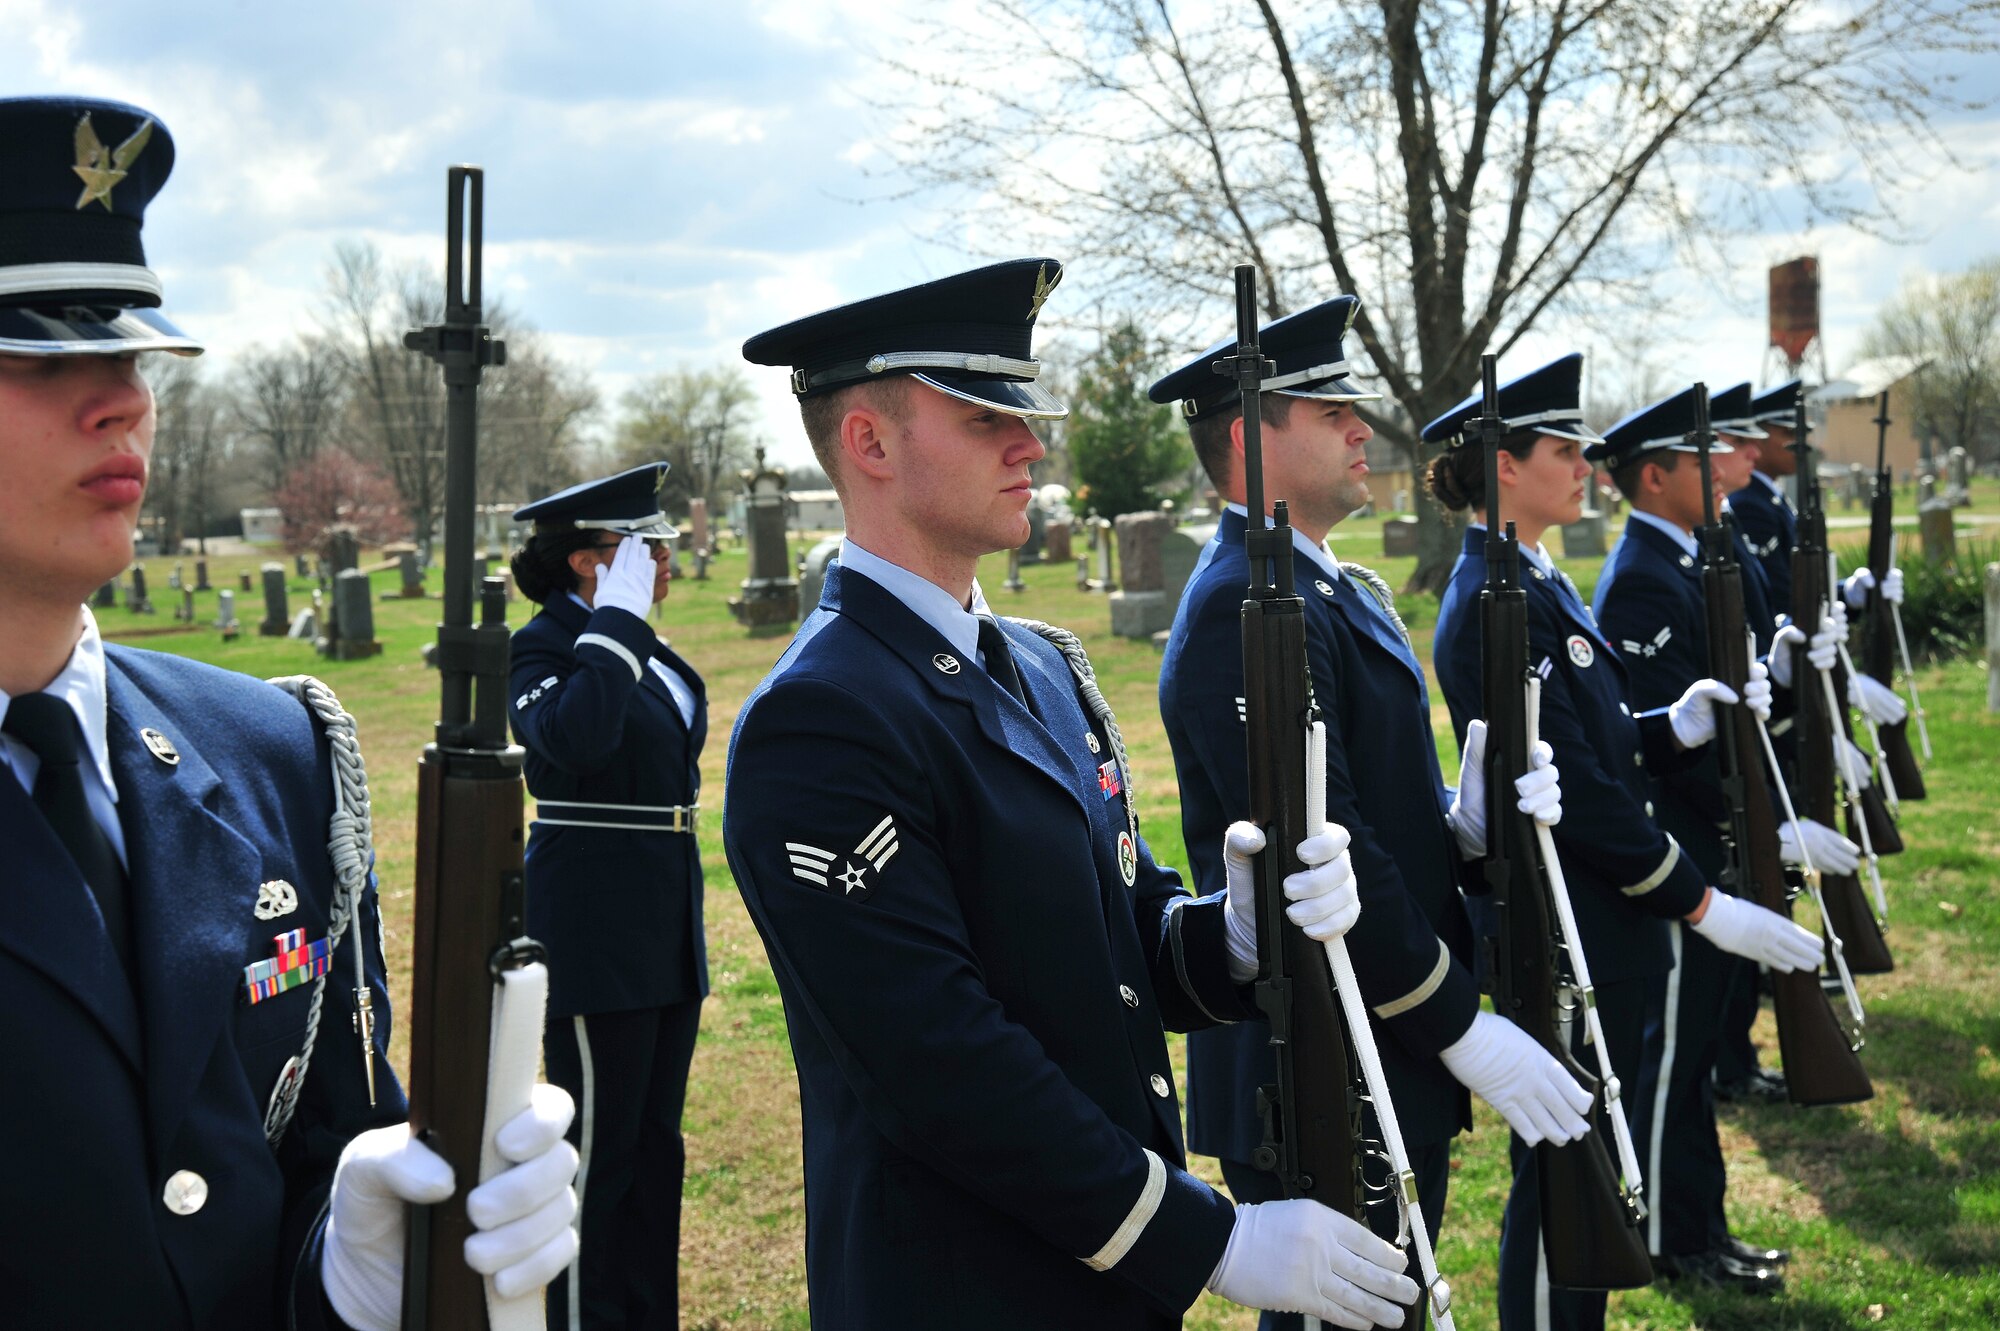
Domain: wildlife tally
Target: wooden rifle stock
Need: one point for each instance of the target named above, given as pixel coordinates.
(470, 908)
(1879, 657)
(1821, 1067)
(1847, 904)
(1590, 1234)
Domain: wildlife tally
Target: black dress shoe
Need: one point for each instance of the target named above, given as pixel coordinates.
(1753, 1255)
(1720, 1271)
(1733, 1091)
(1769, 1087)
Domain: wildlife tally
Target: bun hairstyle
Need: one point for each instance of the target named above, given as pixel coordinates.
(541, 566)
(1456, 477)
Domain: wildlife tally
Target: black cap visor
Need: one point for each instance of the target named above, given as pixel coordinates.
(89, 330)
(1016, 397)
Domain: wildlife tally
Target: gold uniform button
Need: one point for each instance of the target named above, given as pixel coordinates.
(1129, 994)
(1159, 1086)
(186, 1192)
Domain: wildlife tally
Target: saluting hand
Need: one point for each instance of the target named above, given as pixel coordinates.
(627, 583)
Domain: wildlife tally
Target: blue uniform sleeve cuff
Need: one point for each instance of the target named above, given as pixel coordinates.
(1196, 932)
(1172, 1240)
(1437, 1011)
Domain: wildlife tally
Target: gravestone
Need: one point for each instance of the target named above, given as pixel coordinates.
(1934, 524)
(305, 625)
(1585, 537)
(812, 573)
(277, 607)
(299, 563)
(107, 595)
(769, 598)
(174, 579)
(701, 566)
(225, 613)
(135, 595)
(1100, 541)
(1056, 542)
(413, 575)
(354, 614)
(342, 550)
(1014, 583)
(1855, 491)
(201, 576)
(1140, 607)
(1038, 525)
(184, 612)
(1961, 478)
(1399, 537)
(1926, 488)
(1084, 582)
(248, 583)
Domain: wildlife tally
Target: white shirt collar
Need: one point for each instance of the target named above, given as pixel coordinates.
(928, 601)
(1536, 554)
(81, 685)
(1685, 540)
(1321, 555)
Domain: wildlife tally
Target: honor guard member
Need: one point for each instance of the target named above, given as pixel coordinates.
(1627, 878)
(613, 720)
(1649, 604)
(180, 956)
(1764, 515)
(1413, 946)
(930, 816)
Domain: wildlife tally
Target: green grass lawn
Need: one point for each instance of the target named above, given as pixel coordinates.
(1892, 1208)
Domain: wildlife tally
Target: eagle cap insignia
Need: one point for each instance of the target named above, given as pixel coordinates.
(100, 168)
(1044, 284)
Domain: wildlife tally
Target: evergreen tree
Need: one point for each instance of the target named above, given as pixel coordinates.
(1124, 447)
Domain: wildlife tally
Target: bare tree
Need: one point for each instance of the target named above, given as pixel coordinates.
(1953, 325)
(192, 443)
(287, 402)
(1467, 167)
(532, 422)
(696, 419)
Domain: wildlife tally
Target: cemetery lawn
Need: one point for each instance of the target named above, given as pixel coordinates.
(1891, 1208)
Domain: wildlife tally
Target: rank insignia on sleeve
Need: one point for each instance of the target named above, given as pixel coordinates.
(535, 694)
(853, 875)
(1652, 648)
(296, 962)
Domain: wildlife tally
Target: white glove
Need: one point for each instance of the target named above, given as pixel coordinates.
(521, 1217)
(1855, 587)
(1539, 788)
(1693, 715)
(1839, 617)
(1877, 701)
(1300, 1257)
(1821, 652)
(1757, 691)
(1501, 1064)
(1857, 763)
(1746, 929)
(1324, 901)
(1831, 852)
(627, 582)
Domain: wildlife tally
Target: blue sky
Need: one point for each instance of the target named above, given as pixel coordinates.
(664, 179)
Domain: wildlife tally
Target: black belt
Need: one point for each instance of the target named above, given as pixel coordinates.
(619, 817)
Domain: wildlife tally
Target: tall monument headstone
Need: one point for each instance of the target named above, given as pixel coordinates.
(135, 596)
(355, 615)
(1140, 607)
(277, 619)
(769, 598)
(201, 576)
(812, 573)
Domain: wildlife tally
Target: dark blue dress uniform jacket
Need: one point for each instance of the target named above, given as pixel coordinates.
(975, 987)
(1771, 529)
(107, 1096)
(1650, 606)
(619, 911)
(1625, 876)
(1413, 946)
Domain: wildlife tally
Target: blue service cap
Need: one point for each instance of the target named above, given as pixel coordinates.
(1548, 401)
(628, 503)
(1305, 347)
(1663, 426)
(1731, 412)
(1777, 405)
(76, 175)
(968, 336)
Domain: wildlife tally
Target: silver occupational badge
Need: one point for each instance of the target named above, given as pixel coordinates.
(276, 898)
(1325, 587)
(160, 746)
(946, 663)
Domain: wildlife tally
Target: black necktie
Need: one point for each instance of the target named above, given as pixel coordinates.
(999, 660)
(48, 725)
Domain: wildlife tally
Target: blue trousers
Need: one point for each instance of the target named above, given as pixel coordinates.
(628, 1073)
(1673, 1106)
(1527, 1301)
(1430, 1163)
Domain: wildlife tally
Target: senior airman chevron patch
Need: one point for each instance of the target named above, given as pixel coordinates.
(853, 875)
